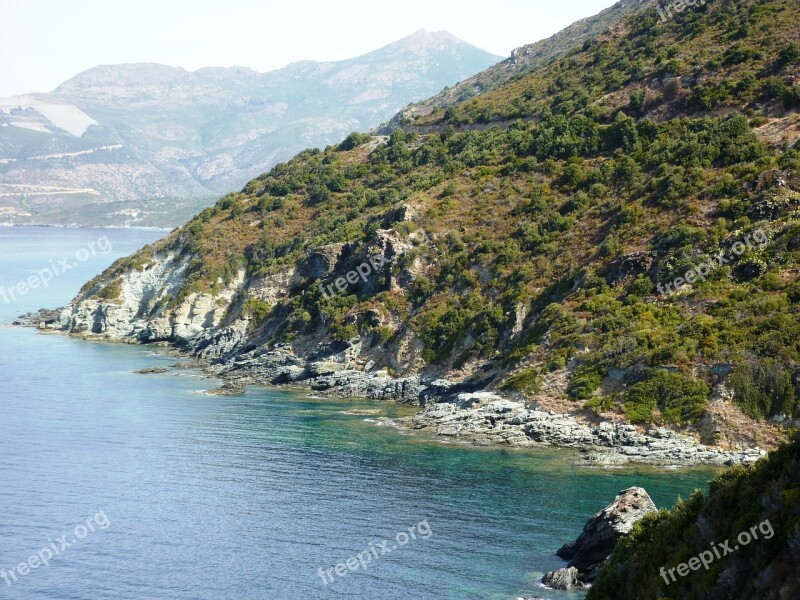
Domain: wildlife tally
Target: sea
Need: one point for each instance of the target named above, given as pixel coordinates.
(124, 486)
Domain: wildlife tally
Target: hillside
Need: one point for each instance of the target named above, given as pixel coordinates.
(527, 241)
(746, 530)
(148, 144)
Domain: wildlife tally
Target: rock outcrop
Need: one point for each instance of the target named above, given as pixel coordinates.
(486, 418)
(562, 579)
(760, 503)
(600, 535)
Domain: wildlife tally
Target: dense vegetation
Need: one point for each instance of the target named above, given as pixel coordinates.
(524, 60)
(553, 207)
(738, 500)
(721, 54)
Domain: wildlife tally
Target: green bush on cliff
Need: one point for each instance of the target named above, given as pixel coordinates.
(256, 308)
(584, 381)
(679, 398)
(526, 380)
(354, 140)
(765, 388)
(110, 292)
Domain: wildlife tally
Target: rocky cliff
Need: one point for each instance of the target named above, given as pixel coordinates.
(738, 541)
(610, 238)
(600, 535)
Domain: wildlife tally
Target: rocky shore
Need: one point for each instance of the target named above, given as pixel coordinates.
(479, 417)
(453, 410)
(487, 419)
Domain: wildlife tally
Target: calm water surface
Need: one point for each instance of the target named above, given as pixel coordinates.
(226, 498)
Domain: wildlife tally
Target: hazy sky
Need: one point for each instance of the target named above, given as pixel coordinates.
(45, 42)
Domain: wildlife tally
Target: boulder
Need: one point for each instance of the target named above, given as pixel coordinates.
(629, 266)
(321, 262)
(229, 388)
(325, 367)
(563, 579)
(602, 532)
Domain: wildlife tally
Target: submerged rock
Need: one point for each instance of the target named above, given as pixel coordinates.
(229, 388)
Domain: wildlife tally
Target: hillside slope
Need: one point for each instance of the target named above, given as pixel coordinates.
(522, 60)
(147, 137)
(531, 243)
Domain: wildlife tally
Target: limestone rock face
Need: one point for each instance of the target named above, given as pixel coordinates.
(138, 314)
(321, 261)
(602, 532)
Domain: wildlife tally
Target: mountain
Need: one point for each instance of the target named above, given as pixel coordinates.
(612, 236)
(739, 541)
(152, 144)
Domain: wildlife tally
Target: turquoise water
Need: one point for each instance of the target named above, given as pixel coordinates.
(208, 497)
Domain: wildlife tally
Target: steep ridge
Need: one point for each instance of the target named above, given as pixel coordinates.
(536, 243)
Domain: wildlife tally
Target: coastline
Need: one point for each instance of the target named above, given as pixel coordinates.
(448, 410)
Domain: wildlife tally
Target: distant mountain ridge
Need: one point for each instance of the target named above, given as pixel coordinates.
(144, 135)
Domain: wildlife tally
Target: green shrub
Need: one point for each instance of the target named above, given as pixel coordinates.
(526, 380)
(584, 381)
(449, 190)
(354, 140)
(680, 398)
(790, 54)
(764, 388)
(256, 308)
(558, 360)
(112, 291)
(600, 404)
(384, 335)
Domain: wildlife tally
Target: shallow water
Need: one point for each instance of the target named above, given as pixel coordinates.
(248, 497)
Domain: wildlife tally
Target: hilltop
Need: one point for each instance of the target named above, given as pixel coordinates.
(533, 241)
(523, 60)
